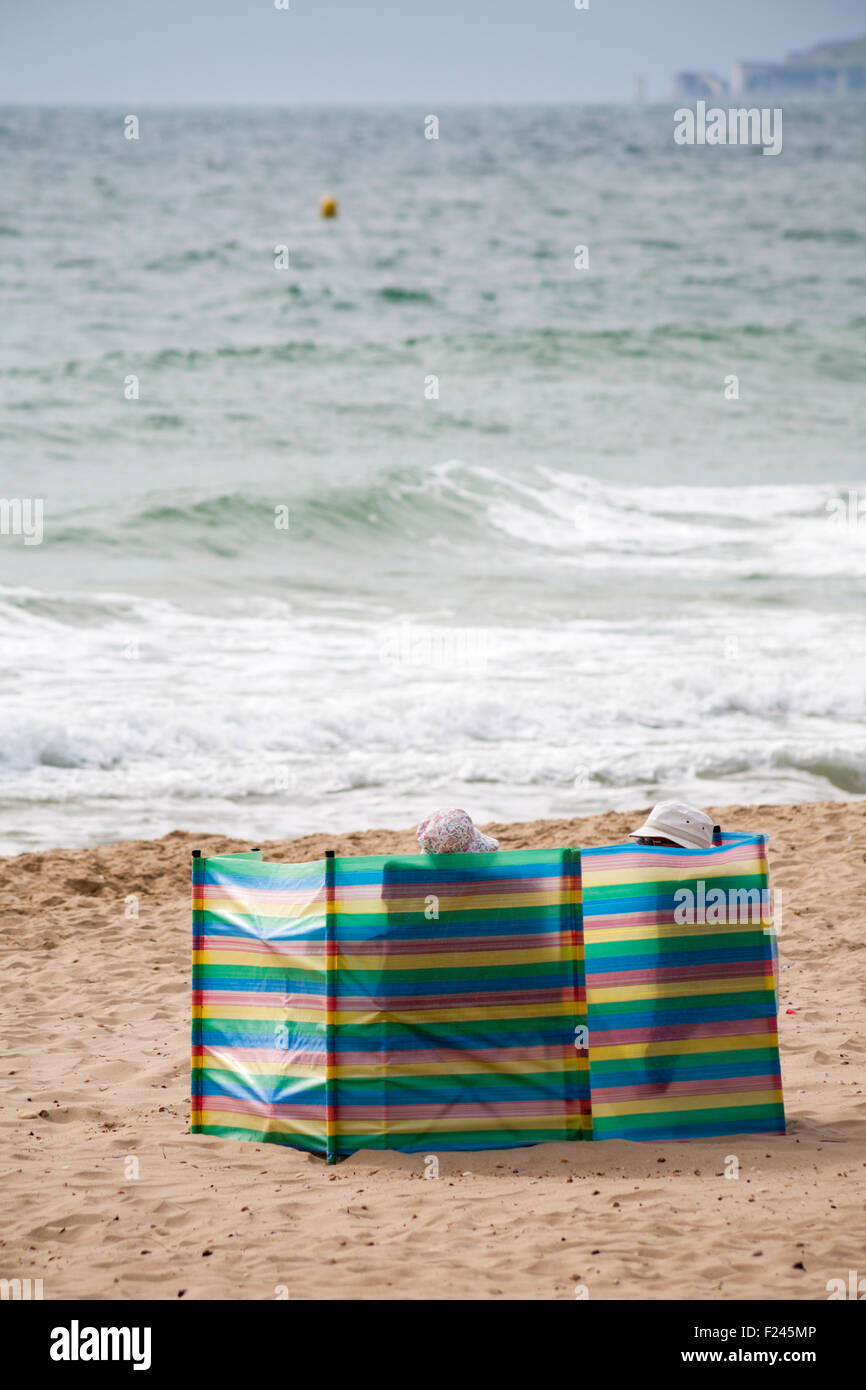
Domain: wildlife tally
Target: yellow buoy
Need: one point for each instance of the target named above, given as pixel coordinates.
(328, 206)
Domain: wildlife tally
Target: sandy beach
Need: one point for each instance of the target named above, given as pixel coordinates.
(107, 1196)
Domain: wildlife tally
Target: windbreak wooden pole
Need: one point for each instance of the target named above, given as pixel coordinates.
(330, 1010)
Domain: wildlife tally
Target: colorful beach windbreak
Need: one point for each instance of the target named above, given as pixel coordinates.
(470, 1001)
(408, 1002)
(681, 961)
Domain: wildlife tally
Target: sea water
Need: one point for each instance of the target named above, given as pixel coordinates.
(532, 483)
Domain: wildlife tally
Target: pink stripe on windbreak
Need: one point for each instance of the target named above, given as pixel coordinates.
(721, 1085)
(718, 970)
(603, 861)
(679, 1032)
(394, 892)
(432, 945)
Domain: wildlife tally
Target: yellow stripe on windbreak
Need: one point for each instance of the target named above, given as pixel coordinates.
(680, 1047)
(258, 1124)
(248, 1012)
(238, 909)
(564, 1008)
(358, 1072)
(664, 1105)
(307, 1071)
(597, 933)
(376, 905)
(275, 960)
(597, 995)
(438, 960)
(452, 1123)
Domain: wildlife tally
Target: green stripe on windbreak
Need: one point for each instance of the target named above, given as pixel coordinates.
(485, 977)
(288, 1141)
(249, 974)
(414, 1090)
(370, 982)
(440, 1141)
(352, 925)
(682, 1061)
(224, 1032)
(366, 1037)
(750, 937)
(503, 1032)
(682, 1118)
(438, 863)
(312, 1089)
(667, 887)
(745, 1001)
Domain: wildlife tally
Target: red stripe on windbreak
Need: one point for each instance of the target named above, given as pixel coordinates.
(722, 1085)
(409, 1003)
(263, 945)
(433, 945)
(241, 895)
(671, 974)
(597, 920)
(283, 1110)
(264, 999)
(674, 1032)
(382, 1003)
(458, 1110)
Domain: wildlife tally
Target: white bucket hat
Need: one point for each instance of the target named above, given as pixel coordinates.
(676, 820)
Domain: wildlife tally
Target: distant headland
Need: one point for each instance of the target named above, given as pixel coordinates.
(828, 69)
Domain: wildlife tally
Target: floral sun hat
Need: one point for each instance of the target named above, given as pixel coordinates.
(452, 832)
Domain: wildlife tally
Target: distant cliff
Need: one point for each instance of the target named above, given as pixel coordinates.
(832, 69)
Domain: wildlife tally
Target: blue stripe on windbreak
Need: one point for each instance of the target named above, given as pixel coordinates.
(269, 1089)
(278, 982)
(643, 1071)
(666, 960)
(237, 881)
(256, 928)
(393, 929)
(271, 982)
(454, 1036)
(235, 1036)
(602, 907)
(283, 1089)
(605, 1022)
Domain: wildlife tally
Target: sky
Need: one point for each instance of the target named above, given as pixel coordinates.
(360, 52)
